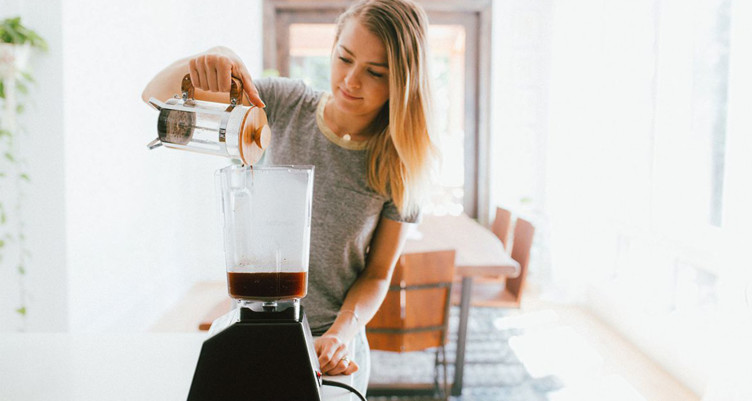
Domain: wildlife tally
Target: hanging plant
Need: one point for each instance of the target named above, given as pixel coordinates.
(16, 42)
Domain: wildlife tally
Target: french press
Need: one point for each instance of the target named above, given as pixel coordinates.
(228, 130)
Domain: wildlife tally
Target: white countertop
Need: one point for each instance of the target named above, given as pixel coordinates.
(106, 367)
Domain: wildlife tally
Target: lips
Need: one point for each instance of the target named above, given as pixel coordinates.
(348, 96)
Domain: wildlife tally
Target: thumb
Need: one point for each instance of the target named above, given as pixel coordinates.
(250, 89)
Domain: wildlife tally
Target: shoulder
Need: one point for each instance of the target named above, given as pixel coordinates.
(285, 91)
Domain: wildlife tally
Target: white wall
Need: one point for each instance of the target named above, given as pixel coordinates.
(142, 225)
(118, 232)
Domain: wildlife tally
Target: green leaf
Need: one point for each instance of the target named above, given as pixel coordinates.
(12, 31)
(22, 88)
(21, 311)
(27, 76)
(24, 177)
(21, 270)
(3, 218)
(20, 109)
(2, 243)
(5, 132)
(10, 157)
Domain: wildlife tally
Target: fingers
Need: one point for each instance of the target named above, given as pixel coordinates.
(224, 80)
(195, 76)
(334, 357)
(331, 356)
(351, 368)
(249, 87)
(344, 367)
(213, 72)
(199, 75)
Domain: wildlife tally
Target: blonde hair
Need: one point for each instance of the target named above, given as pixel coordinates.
(400, 154)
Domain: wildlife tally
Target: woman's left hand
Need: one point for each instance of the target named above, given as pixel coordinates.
(334, 357)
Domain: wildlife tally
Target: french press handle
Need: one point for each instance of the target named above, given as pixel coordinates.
(236, 90)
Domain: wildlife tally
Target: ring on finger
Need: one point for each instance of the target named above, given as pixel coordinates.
(346, 360)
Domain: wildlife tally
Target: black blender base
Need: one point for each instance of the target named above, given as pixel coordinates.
(259, 358)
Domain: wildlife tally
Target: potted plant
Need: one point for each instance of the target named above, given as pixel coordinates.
(16, 43)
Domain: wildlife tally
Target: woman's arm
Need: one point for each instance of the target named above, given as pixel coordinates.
(364, 297)
(211, 73)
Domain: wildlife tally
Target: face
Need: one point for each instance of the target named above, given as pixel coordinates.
(360, 75)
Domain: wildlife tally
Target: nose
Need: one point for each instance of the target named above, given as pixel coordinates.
(352, 80)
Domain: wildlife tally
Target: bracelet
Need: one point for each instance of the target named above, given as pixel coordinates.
(357, 318)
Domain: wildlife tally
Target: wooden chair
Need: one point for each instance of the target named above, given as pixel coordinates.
(507, 294)
(523, 242)
(415, 314)
(501, 226)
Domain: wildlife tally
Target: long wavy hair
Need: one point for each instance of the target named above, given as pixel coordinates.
(400, 153)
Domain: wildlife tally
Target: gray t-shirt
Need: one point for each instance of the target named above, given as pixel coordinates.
(345, 210)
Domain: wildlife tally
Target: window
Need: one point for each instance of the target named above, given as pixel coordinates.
(690, 127)
(298, 43)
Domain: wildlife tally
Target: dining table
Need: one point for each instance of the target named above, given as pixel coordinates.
(478, 252)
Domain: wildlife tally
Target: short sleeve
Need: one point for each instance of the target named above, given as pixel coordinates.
(279, 93)
(266, 91)
(391, 212)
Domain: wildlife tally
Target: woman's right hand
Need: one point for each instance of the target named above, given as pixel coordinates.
(213, 71)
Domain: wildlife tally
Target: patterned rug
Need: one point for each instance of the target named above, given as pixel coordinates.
(492, 371)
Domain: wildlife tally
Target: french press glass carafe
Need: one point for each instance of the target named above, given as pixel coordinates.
(229, 130)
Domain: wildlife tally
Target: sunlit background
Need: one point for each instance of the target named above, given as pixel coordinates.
(621, 129)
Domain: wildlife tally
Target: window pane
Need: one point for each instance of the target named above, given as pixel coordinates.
(310, 49)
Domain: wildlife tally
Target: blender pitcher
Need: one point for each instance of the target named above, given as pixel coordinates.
(266, 215)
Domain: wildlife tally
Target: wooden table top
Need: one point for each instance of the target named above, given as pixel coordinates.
(478, 251)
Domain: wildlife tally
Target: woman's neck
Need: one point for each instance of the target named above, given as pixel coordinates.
(346, 125)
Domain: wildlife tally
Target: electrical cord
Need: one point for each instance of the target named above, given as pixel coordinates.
(344, 386)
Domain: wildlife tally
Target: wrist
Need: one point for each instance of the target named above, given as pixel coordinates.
(350, 312)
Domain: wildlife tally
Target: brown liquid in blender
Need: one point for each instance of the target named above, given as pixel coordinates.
(267, 286)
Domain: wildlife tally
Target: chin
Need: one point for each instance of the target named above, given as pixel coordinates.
(346, 104)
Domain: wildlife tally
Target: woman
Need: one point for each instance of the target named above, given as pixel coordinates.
(369, 141)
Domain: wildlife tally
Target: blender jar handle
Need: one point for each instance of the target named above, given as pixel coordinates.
(236, 90)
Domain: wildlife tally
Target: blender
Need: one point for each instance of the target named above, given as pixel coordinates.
(264, 349)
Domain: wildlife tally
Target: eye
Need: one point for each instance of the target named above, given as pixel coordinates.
(345, 60)
(375, 74)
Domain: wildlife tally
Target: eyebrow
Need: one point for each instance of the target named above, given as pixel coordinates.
(369, 62)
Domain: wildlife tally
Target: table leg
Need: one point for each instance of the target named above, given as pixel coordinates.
(459, 360)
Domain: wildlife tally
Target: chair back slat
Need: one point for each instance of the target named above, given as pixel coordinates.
(414, 313)
(523, 241)
(501, 224)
